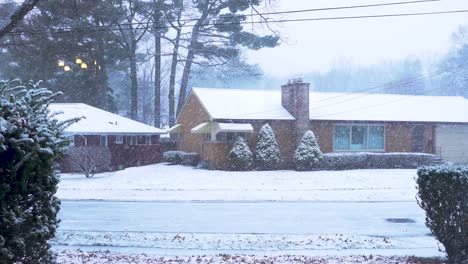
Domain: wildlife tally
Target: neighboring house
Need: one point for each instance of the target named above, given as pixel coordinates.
(342, 122)
(130, 143)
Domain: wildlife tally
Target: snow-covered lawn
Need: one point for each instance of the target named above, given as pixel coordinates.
(163, 182)
(99, 257)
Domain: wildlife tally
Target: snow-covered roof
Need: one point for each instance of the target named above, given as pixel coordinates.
(235, 127)
(266, 105)
(388, 107)
(99, 122)
(242, 104)
(208, 127)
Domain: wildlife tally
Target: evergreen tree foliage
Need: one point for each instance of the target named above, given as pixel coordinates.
(307, 154)
(30, 142)
(267, 155)
(240, 155)
(443, 194)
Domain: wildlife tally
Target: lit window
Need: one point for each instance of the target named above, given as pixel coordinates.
(103, 141)
(358, 137)
(119, 139)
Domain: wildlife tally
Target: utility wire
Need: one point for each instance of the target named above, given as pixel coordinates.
(388, 86)
(67, 30)
(370, 106)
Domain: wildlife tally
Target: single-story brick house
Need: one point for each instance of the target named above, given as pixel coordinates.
(342, 122)
(129, 142)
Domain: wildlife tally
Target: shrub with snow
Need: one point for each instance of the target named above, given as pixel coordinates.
(267, 155)
(30, 143)
(370, 160)
(176, 157)
(443, 194)
(240, 156)
(89, 160)
(308, 155)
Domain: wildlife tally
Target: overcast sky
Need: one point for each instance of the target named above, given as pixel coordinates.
(318, 45)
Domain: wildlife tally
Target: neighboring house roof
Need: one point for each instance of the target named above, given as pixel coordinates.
(242, 104)
(266, 105)
(99, 122)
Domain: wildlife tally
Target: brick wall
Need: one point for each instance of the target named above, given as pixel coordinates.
(192, 115)
(123, 154)
(398, 135)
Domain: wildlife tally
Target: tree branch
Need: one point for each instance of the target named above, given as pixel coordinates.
(18, 15)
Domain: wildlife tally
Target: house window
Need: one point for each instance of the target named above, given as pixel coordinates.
(358, 138)
(103, 141)
(148, 140)
(131, 140)
(119, 139)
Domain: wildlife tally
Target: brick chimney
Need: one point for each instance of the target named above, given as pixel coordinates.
(295, 98)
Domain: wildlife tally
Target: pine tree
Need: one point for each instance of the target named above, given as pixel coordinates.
(30, 142)
(308, 154)
(267, 155)
(240, 155)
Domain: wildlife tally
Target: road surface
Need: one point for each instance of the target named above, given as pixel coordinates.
(177, 228)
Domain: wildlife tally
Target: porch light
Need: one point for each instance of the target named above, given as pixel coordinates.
(61, 63)
(95, 62)
(84, 66)
(66, 68)
(78, 61)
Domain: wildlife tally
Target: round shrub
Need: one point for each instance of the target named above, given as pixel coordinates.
(240, 156)
(307, 155)
(267, 155)
(443, 194)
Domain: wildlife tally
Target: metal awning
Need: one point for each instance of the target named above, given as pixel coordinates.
(235, 127)
(202, 128)
(215, 127)
(177, 128)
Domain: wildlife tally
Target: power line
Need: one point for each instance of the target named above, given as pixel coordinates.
(390, 86)
(67, 30)
(370, 106)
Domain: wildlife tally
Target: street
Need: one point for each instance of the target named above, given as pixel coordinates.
(359, 227)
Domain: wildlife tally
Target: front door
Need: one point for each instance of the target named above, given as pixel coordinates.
(417, 138)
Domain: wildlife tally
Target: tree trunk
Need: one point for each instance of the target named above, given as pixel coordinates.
(185, 79)
(188, 62)
(172, 79)
(157, 64)
(134, 84)
(157, 80)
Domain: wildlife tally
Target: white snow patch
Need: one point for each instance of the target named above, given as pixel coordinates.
(161, 182)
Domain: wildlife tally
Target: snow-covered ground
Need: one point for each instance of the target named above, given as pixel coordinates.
(99, 257)
(163, 182)
(177, 214)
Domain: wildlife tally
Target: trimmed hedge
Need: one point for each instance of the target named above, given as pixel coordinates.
(443, 194)
(370, 160)
(180, 157)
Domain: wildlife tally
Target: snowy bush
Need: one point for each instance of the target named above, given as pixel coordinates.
(267, 155)
(89, 160)
(240, 156)
(308, 155)
(443, 194)
(370, 160)
(175, 157)
(30, 143)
